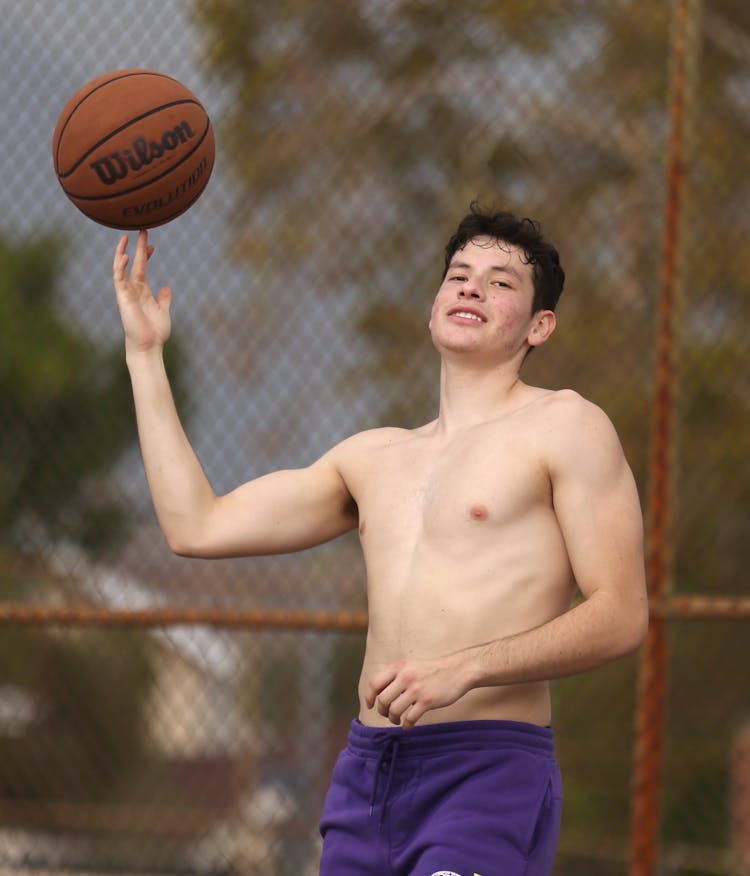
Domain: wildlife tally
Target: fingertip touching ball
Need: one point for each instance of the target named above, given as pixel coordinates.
(133, 149)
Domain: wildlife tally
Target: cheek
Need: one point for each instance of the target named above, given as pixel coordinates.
(512, 314)
(433, 311)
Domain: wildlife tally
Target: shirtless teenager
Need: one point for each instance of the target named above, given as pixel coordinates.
(477, 530)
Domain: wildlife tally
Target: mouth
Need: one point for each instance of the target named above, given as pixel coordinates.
(467, 314)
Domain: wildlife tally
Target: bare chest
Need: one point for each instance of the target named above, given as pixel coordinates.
(483, 483)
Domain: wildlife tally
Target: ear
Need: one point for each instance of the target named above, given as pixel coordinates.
(542, 325)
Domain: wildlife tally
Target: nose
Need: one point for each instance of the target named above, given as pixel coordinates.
(470, 288)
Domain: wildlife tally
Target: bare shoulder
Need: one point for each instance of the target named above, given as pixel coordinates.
(579, 431)
(361, 446)
(572, 414)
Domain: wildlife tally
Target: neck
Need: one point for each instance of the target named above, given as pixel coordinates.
(471, 395)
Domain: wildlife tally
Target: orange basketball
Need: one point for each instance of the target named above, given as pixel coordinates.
(133, 149)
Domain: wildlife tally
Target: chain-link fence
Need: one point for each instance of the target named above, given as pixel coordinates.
(167, 715)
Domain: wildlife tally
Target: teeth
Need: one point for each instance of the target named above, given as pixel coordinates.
(467, 315)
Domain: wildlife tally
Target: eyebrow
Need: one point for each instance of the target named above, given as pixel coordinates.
(503, 269)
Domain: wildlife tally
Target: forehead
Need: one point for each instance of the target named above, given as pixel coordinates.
(485, 253)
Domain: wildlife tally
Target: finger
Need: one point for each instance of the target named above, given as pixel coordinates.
(141, 257)
(379, 683)
(164, 298)
(407, 718)
(387, 697)
(399, 707)
(383, 703)
(412, 715)
(121, 258)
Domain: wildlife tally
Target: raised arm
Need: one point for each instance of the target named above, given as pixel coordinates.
(280, 512)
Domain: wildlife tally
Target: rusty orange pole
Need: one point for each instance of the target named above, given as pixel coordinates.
(251, 619)
(652, 688)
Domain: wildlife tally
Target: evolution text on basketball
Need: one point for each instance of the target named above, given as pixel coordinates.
(175, 194)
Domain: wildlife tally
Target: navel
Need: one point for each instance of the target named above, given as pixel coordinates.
(478, 512)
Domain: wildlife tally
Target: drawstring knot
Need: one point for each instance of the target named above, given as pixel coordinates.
(390, 747)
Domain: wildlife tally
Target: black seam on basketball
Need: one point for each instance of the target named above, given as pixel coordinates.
(104, 85)
(113, 195)
(156, 109)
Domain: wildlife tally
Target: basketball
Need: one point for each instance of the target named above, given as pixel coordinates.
(133, 149)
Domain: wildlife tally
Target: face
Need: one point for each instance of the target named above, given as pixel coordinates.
(484, 303)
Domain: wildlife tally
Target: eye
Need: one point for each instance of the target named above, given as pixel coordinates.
(501, 283)
(458, 277)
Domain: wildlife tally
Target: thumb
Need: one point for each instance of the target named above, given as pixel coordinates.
(164, 298)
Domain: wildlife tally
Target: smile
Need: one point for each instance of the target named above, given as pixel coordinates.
(465, 314)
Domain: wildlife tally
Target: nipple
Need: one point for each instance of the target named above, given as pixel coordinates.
(362, 528)
(479, 512)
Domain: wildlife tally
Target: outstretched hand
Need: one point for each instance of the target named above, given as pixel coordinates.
(404, 691)
(145, 317)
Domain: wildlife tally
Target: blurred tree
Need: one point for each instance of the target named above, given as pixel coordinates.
(71, 705)
(332, 137)
(65, 414)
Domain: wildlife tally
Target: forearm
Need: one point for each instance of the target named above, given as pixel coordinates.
(598, 630)
(594, 632)
(181, 493)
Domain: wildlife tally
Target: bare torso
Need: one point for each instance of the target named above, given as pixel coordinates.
(469, 575)
(461, 546)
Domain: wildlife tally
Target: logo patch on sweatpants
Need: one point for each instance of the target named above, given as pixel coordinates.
(449, 873)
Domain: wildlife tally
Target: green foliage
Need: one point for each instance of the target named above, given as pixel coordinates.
(65, 413)
(65, 418)
(594, 749)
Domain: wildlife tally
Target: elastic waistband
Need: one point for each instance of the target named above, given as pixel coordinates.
(433, 739)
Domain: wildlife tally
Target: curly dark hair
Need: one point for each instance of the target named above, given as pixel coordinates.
(526, 234)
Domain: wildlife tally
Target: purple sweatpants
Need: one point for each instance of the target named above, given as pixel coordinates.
(469, 798)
